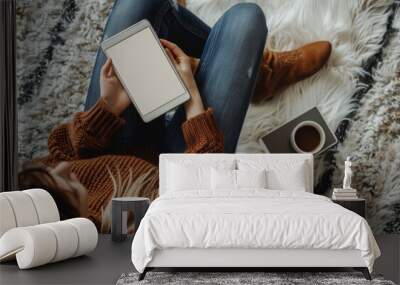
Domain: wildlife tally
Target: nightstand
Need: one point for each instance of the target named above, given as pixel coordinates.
(355, 205)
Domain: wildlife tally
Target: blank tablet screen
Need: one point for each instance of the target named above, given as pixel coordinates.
(145, 71)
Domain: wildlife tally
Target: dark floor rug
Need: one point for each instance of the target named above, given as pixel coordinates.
(270, 278)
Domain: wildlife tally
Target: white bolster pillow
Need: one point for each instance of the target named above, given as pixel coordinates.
(7, 219)
(40, 244)
(45, 205)
(87, 235)
(26, 208)
(24, 211)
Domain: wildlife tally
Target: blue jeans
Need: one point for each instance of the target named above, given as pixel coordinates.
(230, 55)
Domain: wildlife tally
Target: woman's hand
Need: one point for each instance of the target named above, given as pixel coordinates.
(70, 195)
(183, 65)
(112, 90)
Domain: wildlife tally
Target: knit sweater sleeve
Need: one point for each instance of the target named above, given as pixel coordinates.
(201, 134)
(87, 135)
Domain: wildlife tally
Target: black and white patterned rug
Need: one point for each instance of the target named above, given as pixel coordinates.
(358, 92)
(243, 278)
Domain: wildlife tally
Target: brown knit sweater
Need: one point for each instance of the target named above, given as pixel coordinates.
(83, 143)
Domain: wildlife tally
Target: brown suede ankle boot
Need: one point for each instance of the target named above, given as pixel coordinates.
(280, 69)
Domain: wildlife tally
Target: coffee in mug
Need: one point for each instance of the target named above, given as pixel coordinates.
(307, 137)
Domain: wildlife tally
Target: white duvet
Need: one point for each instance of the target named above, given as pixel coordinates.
(253, 218)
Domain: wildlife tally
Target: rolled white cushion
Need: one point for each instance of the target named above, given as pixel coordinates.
(26, 208)
(7, 218)
(37, 245)
(87, 235)
(66, 238)
(45, 205)
(23, 208)
(33, 246)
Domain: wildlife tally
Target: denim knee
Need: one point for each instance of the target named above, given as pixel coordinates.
(250, 17)
(128, 12)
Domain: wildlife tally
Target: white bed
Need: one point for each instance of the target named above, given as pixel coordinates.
(197, 224)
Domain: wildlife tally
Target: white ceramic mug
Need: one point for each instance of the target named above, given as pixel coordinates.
(317, 127)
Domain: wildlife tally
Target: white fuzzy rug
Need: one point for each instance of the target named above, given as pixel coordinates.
(355, 29)
(57, 42)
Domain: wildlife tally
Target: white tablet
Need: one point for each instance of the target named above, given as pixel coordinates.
(145, 70)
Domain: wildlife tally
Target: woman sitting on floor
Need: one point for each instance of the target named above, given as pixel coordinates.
(107, 150)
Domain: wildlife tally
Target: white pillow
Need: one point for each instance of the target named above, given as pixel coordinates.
(188, 175)
(223, 179)
(236, 179)
(293, 179)
(251, 178)
(288, 174)
(181, 178)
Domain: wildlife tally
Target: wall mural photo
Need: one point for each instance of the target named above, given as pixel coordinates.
(81, 138)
